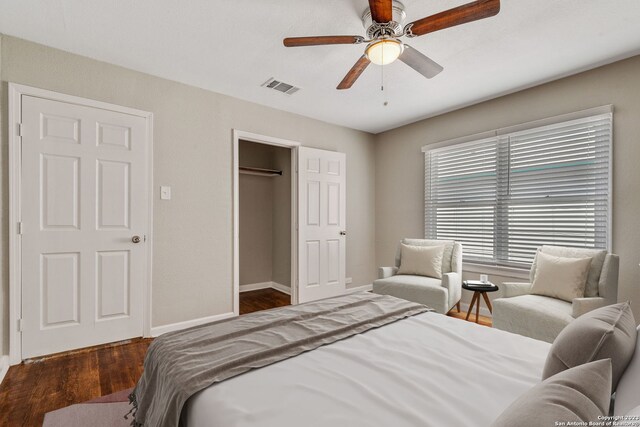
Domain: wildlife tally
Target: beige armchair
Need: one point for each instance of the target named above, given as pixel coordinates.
(543, 317)
(439, 294)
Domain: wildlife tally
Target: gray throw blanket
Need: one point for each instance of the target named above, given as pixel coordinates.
(180, 364)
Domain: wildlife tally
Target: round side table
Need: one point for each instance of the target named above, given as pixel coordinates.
(477, 291)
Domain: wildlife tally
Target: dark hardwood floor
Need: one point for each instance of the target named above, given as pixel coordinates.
(262, 299)
(32, 389)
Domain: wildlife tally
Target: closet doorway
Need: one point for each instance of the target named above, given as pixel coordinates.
(264, 222)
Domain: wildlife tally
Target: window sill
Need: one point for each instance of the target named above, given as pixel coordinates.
(519, 273)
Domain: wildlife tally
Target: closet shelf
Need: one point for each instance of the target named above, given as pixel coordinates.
(259, 171)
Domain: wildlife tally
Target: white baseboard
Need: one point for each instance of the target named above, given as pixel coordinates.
(255, 286)
(4, 366)
(484, 311)
(282, 288)
(362, 288)
(159, 330)
(265, 285)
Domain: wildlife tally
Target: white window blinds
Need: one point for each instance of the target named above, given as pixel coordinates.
(504, 196)
(461, 192)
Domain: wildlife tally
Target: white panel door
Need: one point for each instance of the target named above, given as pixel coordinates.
(83, 199)
(321, 224)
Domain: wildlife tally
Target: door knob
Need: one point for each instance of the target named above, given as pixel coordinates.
(343, 233)
(135, 239)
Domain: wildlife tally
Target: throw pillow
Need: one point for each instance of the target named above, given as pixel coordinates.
(579, 394)
(598, 256)
(421, 260)
(559, 277)
(447, 256)
(605, 333)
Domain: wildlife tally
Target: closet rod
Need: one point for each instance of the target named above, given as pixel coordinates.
(259, 171)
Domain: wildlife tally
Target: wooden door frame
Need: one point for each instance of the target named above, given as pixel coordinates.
(16, 91)
(277, 142)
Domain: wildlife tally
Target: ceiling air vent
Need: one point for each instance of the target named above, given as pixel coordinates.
(280, 86)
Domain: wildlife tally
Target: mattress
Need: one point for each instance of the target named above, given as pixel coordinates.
(427, 370)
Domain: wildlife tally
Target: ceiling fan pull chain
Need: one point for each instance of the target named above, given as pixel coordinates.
(384, 102)
(382, 74)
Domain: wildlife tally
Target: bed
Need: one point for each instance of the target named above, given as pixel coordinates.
(425, 370)
(376, 360)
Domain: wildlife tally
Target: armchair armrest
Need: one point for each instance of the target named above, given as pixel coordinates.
(581, 306)
(384, 272)
(453, 283)
(514, 289)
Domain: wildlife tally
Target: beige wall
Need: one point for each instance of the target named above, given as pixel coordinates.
(281, 243)
(265, 216)
(192, 153)
(255, 215)
(400, 164)
(256, 229)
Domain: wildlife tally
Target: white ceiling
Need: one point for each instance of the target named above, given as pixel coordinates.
(233, 46)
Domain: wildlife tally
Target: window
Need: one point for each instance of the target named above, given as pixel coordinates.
(505, 195)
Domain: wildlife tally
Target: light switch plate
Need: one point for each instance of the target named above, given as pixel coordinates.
(165, 192)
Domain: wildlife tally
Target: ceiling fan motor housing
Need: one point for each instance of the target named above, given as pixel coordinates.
(393, 28)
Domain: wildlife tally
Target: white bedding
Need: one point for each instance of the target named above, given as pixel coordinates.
(427, 370)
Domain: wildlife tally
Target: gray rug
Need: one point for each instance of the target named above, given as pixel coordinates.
(105, 411)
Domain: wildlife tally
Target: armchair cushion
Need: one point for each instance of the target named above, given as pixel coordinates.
(595, 270)
(420, 289)
(606, 333)
(560, 277)
(533, 316)
(421, 260)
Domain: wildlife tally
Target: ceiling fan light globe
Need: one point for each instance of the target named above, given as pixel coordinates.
(383, 52)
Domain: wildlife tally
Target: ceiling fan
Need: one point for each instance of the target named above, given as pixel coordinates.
(383, 23)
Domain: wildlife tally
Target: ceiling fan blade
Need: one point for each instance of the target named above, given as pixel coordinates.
(354, 73)
(419, 62)
(469, 12)
(321, 40)
(381, 10)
